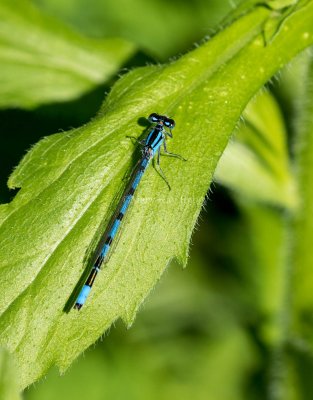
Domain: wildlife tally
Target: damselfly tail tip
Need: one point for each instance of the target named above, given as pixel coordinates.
(78, 306)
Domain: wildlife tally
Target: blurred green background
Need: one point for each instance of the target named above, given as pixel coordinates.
(206, 332)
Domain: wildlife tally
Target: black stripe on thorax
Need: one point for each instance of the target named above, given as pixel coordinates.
(154, 134)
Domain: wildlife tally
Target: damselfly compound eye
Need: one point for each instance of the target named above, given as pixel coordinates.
(154, 117)
(170, 123)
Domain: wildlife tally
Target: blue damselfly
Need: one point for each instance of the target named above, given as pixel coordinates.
(151, 146)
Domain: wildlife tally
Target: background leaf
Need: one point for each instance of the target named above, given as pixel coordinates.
(43, 61)
(255, 163)
(166, 29)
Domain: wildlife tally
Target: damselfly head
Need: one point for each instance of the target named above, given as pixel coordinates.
(162, 119)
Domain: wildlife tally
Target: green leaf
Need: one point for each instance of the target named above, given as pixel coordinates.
(43, 61)
(302, 227)
(8, 379)
(69, 180)
(255, 164)
(161, 28)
